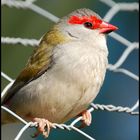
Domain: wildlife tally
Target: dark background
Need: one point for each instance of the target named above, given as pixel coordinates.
(118, 89)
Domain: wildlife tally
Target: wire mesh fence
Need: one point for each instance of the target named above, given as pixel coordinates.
(130, 47)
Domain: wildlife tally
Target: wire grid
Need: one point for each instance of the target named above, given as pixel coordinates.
(130, 46)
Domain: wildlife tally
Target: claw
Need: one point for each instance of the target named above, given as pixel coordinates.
(42, 123)
(86, 119)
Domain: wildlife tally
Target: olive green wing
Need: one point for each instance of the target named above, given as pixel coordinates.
(38, 63)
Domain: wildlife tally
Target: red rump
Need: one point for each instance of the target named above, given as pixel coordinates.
(80, 20)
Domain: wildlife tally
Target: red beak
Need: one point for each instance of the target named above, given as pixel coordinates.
(106, 28)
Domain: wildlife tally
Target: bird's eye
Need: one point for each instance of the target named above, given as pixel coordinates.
(88, 25)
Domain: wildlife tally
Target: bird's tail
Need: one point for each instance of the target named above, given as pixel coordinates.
(7, 117)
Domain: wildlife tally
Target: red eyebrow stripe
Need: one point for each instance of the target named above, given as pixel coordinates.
(80, 20)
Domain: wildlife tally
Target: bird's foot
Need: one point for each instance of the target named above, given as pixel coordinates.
(86, 118)
(42, 123)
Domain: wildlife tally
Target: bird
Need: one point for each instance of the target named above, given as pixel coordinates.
(64, 74)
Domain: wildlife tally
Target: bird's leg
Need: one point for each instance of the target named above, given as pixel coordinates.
(42, 123)
(86, 118)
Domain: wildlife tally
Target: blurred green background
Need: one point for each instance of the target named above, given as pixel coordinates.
(118, 89)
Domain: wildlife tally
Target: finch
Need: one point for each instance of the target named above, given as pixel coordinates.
(64, 74)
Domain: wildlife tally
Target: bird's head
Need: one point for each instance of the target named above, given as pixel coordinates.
(85, 24)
